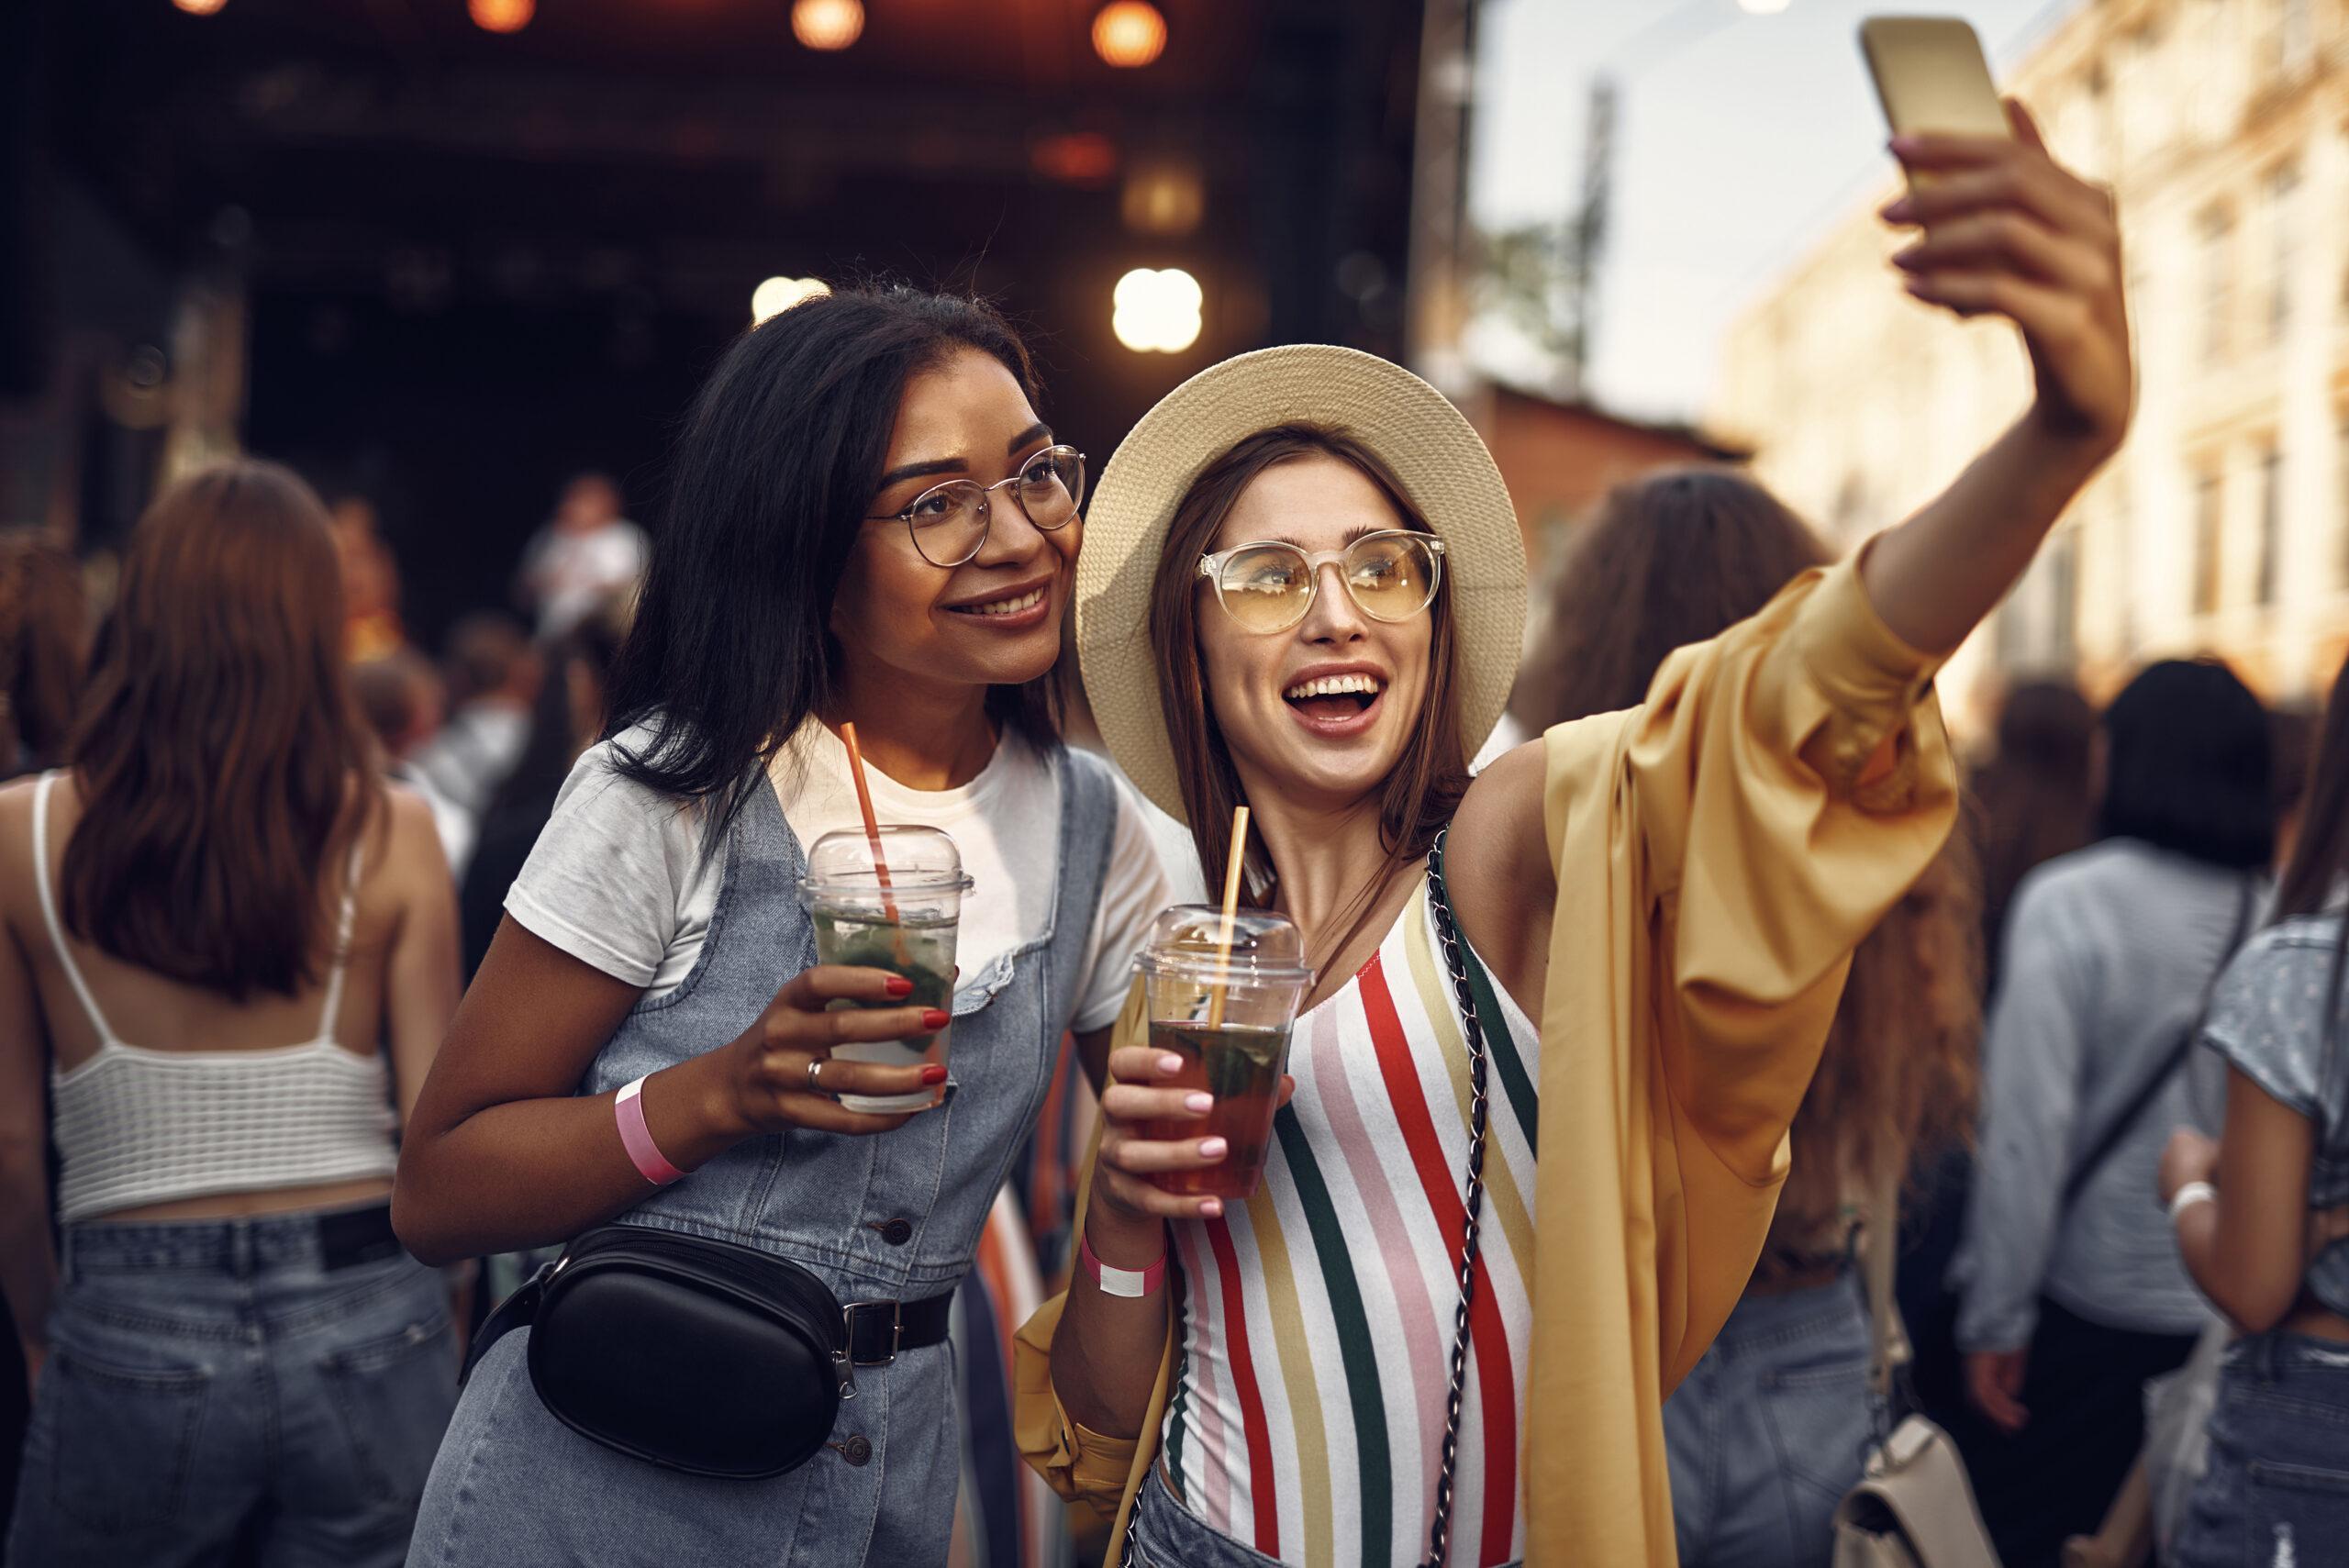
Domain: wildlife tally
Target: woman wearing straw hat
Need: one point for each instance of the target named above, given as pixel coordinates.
(870, 526)
(1305, 589)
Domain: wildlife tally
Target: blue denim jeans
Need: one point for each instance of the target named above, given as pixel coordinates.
(1767, 1433)
(213, 1377)
(2277, 1491)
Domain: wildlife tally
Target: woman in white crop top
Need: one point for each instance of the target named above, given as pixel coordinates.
(231, 951)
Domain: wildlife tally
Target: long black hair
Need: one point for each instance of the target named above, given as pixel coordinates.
(2188, 765)
(732, 650)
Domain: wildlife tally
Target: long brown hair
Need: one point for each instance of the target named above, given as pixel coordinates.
(1666, 559)
(1420, 795)
(1676, 558)
(43, 626)
(220, 750)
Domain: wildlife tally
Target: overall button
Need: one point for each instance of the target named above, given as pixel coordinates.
(857, 1449)
(896, 1232)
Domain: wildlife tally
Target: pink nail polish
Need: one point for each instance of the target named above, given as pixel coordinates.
(1211, 1209)
(1212, 1148)
(1200, 1103)
(1170, 1063)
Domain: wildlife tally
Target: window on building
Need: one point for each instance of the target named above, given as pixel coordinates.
(2295, 34)
(2271, 521)
(2209, 506)
(2283, 240)
(2217, 227)
(2064, 588)
(2341, 490)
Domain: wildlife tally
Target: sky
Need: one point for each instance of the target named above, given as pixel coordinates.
(1740, 141)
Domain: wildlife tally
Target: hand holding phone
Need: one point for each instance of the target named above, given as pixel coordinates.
(2006, 229)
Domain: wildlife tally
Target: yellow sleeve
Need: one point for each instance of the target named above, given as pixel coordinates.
(1770, 846)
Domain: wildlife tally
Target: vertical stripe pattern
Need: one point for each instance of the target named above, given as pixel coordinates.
(1306, 1420)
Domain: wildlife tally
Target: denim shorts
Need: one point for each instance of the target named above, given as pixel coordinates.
(1769, 1430)
(212, 1379)
(2276, 1489)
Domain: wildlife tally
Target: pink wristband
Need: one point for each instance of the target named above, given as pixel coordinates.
(1130, 1284)
(636, 1138)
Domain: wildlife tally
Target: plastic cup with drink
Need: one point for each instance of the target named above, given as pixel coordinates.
(890, 899)
(1223, 988)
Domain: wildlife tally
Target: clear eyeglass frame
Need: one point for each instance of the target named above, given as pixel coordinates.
(960, 495)
(1213, 567)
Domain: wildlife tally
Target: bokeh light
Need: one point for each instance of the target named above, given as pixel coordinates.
(776, 296)
(1128, 34)
(1157, 311)
(827, 24)
(199, 7)
(502, 16)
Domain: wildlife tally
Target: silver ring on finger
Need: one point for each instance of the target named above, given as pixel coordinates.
(815, 1084)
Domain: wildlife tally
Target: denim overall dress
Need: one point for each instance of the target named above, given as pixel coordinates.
(891, 1217)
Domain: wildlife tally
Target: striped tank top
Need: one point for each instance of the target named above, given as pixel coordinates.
(1307, 1416)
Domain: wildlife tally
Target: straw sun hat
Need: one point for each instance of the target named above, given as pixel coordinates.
(1445, 471)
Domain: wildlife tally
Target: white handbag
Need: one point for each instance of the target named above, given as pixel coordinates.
(1913, 1507)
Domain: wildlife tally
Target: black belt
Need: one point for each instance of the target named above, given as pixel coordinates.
(878, 1331)
(356, 1236)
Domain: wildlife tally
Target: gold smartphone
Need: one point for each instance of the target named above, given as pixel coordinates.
(1930, 75)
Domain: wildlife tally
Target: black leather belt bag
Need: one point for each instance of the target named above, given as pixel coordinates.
(699, 1355)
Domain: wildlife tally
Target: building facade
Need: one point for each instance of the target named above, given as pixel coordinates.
(2222, 127)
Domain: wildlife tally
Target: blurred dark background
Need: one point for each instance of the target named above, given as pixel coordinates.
(442, 267)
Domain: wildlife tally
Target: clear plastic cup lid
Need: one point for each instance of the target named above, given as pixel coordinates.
(1184, 939)
(919, 860)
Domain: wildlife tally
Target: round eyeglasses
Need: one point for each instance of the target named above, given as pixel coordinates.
(949, 522)
(1391, 575)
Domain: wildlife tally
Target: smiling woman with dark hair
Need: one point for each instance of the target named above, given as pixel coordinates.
(870, 525)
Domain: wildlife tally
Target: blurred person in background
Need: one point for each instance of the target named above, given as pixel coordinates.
(586, 553)
(2259, 1214)
(233, 950)
(871, 525)
(492, 676)
(1766, 1434)
(401, 697)
(2293, 732)
(370, 581)
(2073, 1292)
(44, 641)
(567, 717)
(2035, 798)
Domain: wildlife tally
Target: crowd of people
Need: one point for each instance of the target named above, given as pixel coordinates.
(343, 987)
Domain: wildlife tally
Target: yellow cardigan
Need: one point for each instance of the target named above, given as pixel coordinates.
(1721, 851)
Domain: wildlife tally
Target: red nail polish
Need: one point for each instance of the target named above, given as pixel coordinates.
(933, 1075)
(898, 985)
(933, 1020)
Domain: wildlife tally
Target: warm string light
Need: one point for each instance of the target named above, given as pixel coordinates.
(1128, 34)
(200, 7)
(502, 16)
(776, 296)
(1157, 312)
(827, 23)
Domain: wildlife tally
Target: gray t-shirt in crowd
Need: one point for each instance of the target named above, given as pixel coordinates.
(2109, 954)
(2273, 1020)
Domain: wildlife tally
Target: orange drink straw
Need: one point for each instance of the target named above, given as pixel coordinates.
(871, 831)
(1232, 870)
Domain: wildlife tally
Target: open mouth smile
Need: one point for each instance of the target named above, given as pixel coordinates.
(1336, 705)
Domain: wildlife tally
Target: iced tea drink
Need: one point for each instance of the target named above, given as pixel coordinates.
(1229, 1019)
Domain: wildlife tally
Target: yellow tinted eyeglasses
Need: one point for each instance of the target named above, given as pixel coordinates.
(1391, 575)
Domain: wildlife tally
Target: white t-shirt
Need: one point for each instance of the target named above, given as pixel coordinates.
(619, 879)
